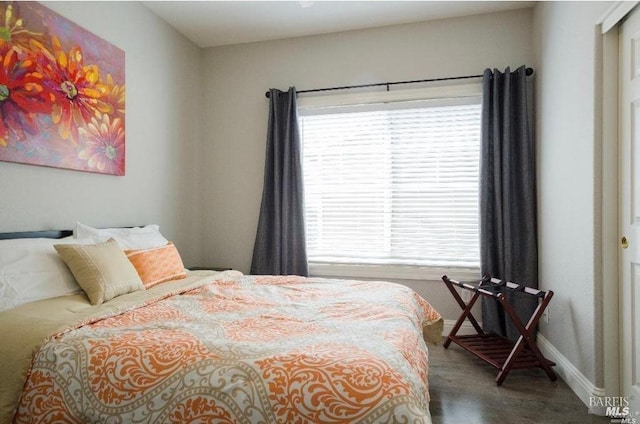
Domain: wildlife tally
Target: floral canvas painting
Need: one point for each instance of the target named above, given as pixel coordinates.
(62, 93)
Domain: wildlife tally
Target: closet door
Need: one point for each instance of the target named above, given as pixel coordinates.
(629, 220)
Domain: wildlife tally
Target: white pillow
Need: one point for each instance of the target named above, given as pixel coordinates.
(146, 237)
(30, 270)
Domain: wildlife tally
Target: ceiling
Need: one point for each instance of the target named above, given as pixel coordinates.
(219, 23)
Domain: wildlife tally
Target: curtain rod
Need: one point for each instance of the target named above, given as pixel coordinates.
(388, 84)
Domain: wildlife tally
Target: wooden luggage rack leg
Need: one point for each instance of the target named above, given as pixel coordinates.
(495, 350)
(466, 313)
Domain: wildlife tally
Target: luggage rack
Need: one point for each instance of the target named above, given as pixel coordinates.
(498, 351)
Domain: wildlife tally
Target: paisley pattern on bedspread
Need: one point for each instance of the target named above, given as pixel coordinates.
(247, 349)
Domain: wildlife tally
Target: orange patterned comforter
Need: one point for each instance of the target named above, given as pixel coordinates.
(242, 349)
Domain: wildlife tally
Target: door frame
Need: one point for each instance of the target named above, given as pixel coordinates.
(606, 164)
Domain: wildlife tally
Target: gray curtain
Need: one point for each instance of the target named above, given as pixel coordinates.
(508, 226)
(280, 247)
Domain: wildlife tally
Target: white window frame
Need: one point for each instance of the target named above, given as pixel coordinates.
(396, 272)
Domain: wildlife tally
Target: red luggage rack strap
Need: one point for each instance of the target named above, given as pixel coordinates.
(497, 351)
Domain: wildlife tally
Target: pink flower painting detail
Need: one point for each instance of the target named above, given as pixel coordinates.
(62, 93)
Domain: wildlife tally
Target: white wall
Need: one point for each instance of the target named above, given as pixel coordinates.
(236, 78)
(567, 134)
(163, 74)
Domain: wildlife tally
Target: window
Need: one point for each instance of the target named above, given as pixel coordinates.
(392, 184)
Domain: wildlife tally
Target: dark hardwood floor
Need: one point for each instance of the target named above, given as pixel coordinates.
(463, 390)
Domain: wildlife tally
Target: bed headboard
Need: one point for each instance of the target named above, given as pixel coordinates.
(55, 234)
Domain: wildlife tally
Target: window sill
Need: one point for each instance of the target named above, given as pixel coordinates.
(392, 272)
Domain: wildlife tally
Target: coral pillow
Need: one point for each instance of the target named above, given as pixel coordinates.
(158, 264)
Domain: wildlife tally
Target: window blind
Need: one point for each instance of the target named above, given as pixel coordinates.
(393, 183)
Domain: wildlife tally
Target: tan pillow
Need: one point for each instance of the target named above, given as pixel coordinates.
(102, 270)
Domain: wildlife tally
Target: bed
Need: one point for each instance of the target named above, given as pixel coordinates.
(220, 347)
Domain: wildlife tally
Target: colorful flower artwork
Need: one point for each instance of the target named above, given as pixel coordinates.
(62, 93)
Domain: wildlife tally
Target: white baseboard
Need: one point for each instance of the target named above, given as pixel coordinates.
(581, 386)
(465, 329)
